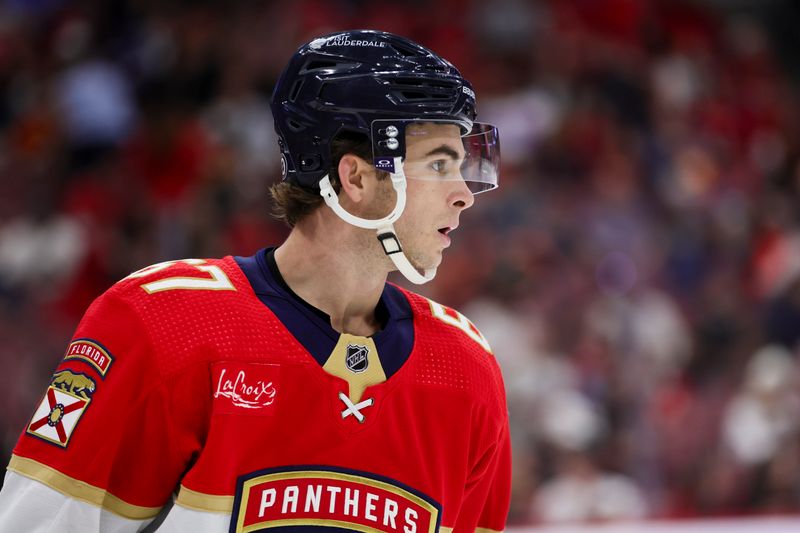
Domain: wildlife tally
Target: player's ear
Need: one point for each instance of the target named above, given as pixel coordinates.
(354, 176)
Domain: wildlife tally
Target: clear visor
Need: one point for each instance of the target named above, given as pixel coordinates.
(439, 151)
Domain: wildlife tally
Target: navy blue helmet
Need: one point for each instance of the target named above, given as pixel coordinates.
(345, 81)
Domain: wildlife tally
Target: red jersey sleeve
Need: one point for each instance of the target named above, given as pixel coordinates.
(488, 492)
(461, 360)
(111, 430)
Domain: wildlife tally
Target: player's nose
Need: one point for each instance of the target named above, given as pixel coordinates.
(461, 196)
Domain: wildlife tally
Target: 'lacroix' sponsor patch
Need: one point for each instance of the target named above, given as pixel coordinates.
(330, 497)
(245, 388)
(91, 352)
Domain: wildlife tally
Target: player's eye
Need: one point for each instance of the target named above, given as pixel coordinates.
(440, 166)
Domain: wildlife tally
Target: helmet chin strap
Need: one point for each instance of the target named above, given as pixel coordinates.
(392, 248)
(384, 226)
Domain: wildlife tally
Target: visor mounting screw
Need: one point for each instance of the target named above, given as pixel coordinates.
(392, 131)
(392, 144)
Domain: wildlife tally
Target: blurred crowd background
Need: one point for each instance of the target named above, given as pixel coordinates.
(637, 272)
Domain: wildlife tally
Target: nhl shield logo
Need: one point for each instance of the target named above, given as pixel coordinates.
(356, 359)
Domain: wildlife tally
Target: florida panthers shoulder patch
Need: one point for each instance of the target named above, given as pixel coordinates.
(62, 407)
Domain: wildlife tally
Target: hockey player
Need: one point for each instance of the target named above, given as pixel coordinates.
(295, 390)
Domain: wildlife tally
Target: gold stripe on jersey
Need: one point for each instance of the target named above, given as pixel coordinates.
(358, 381)
(79, 490)
(477, 530)
(204, 502)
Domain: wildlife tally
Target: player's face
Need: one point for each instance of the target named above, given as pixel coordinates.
(437, 194)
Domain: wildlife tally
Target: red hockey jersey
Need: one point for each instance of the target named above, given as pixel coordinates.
(180, 383)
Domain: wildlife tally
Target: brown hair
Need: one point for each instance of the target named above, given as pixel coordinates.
(291, 203)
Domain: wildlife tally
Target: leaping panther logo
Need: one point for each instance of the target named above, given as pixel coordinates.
(78, 384)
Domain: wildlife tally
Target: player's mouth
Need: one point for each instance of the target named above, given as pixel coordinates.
(447, 229)
(444, 231)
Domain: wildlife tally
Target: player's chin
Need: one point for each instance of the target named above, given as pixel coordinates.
(425, 255)
(430, 260)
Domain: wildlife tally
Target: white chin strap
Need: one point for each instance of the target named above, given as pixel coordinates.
(384, 227)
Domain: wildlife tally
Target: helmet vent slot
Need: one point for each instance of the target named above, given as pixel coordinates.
(295, 126)
(317, 64)
(423, 82)
(417, 96)
(413, 95)
(298, 84)
(406, 52)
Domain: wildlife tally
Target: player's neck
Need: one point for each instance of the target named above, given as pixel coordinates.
(334, 278)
